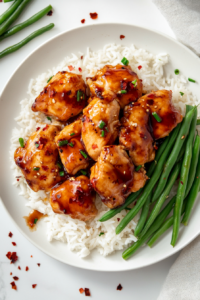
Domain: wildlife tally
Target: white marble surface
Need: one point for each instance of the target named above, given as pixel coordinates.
(55, 280)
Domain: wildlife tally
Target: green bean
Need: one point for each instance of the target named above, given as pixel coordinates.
(7, 1)
(143, 216)
(198, 121)
(192, 195)
(183, 178)
(13, 17)
(112, 212)
(185, 126)
(150, 185)
(9, 11)
(154, 227)
(155, 211)
(26, 40)
(26, 23)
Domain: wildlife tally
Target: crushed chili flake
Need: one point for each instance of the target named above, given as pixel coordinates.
(31, 255)
(10, 273)
(139, 67)
(17, 179)
(80, 70)
(70, 68)
(34, 286)
(50, 13)
(16, 278)
(83, 21)
(81, 56)
(10, 234)
(12, 256)
(93, 15)
(14, 287)
(27, 268)
(87, 292)
(19, 267)
(81, 290)
(40, 147)
(119, 287)
(122, 37)
(94, 146)
(14, 244)
(38, 265)
(47, 126)
(155, 147)
(38, 128)
(43, 177)
(45, 168)
(182, 182)
(118, 219)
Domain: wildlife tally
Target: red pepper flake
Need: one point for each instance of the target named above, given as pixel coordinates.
(14, 287)
(83, 21)
(94, 146)
(182, 182)
(118, 219)
(47, 126)
(38, 265)
(43, 177)
(31, 255)
(45, 168)
(10, 273)
(16, 278)
(19, 267)
(122, 37)
(27, 268)
(139, 67)
(80, 70)
(81, 290)
(81, 56)
(87, 292)
(40, 147)
(151, 96)
(12, 256)
(18, 179)
(119, 287)
(14, 244)
(155, 147)
(70, 68)
(50, 13)
(93, 15)
(10, 234)
(38, 128)
(34, 286)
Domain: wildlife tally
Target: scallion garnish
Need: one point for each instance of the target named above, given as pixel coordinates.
(62, 143)
(48, 118)
(176, 71)
(134, 82)
(181, 93)
(102, 124)
(83, 153)
(71, 134)
(156, 116)
(138, 168)
(61, 173)
(35, 221)
(21, 141)
(71, 144)
(125, 61)
(103, 133)
(80, 95)
(49, 78)
(123, 91)
(59, 165)
(83, 172)
(36, 169)
(36, 145)
(106, 128)
(191, 80)
(101, 233)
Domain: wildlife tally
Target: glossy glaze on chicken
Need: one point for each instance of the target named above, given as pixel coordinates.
(99, 150)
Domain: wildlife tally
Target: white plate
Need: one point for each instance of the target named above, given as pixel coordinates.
(49, 55)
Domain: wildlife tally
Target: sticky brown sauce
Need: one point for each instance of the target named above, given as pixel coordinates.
(30, 219)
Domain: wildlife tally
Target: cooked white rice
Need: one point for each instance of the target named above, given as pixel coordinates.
(80, 236)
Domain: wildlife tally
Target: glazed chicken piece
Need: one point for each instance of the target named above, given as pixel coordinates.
(119, 80)
(112, 175)
(63, 97)
(139, 180)
(135, 134)
(74, 197)
(161, 103)
(69, 144)
(38, 159)
(100, 125)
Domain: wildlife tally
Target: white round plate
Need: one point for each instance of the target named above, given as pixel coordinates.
(49, 55)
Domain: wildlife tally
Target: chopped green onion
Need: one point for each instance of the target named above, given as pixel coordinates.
(123, 91)
(36, 145)
(83, 172)
(21, 141)
(71, 144)
(102, 124)
(134, 82)
(35, 221)
(125, 61)
(103, 133)
(59, 165)
(49, 78)
(83, 153)
(62, 143)
(61, 173)
(138, 168)
(106, 128)
(79, 95)
(181, 93)
(156, 116)
(36, 169)
(48, 118)
(71, 134)
(176, 71)
(101, 233)
(191, 80)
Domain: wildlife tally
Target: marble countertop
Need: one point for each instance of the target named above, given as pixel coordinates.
(54, 279)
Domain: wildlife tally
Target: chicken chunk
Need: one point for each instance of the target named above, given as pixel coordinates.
(38, 159)
(135, 134)
(70, 154)
(139, 180)
(160, 102)
(75, 197)
(112, 175)
(119, 80)
(100, 125)
(63, 97)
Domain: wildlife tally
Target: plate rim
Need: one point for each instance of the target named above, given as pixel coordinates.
(177, 249)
